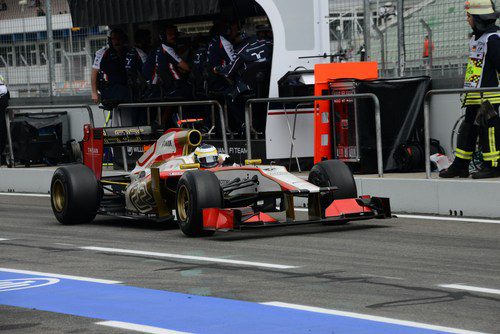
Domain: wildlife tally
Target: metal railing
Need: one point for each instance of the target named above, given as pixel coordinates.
(427, 107)
(39, 107)
(181, 104)
(284, 100)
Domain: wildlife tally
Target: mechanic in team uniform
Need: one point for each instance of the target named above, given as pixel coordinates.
(134, 62)
(255, 51)
(4, 103)
(252, 64)
(166, 77)
(109, 77)
(137, 55)
(220, 52)
(481, 115)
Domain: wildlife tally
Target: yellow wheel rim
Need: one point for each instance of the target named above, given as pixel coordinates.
(58, 196)
(183, 203)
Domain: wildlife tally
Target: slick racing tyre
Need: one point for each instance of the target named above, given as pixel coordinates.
(333, 173)
(196, 190)
(74, 194)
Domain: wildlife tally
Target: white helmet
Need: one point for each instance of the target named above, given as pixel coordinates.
(206, 155)
(480, 7)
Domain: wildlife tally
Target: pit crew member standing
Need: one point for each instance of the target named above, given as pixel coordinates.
(220, 52)
(137, 55)
(481, 115)
(109, 77)
(252, 63)
(167, 77)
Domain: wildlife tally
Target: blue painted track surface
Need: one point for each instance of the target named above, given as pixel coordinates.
(183, 312)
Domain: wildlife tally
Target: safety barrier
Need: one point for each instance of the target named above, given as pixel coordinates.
(284, 100)
(427, 107)
(11, 163)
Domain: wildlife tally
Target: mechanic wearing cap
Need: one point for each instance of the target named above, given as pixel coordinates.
(481, 115)
(166, 78)
(258, 49)
(252, 59)
(220, 52)
(108, 70)
(4, 102)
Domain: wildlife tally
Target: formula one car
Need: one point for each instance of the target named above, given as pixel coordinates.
(207, 190)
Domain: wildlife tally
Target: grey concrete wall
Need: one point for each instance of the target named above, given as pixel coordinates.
(474, 198)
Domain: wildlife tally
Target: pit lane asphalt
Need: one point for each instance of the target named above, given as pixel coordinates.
(390, 268)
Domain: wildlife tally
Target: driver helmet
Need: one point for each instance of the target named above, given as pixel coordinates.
(207, 156)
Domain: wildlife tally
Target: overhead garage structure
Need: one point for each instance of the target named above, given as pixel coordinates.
(87, 13)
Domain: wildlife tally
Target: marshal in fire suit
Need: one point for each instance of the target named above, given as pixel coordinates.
(481, 114)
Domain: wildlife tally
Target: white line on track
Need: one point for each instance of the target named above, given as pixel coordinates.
(24, 195)
(189, 257)
(77, 278)
(371, 317)
(470, 288)
(138, 328)
(3, 239)
(457, 219)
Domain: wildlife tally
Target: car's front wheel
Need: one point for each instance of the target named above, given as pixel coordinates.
(333, 173)
(196, 190)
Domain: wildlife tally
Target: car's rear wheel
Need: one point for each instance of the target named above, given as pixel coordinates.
(196, 190)
(333, 173)
(74, 194)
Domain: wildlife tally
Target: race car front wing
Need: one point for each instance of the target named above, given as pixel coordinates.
(339, 211)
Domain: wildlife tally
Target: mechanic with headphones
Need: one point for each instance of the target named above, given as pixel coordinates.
(166, 73)
(109, 77)
(220, 52)
(481, 114)
(250, 71)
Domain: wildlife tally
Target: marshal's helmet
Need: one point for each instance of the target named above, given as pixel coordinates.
(207, 156)
(483, 8)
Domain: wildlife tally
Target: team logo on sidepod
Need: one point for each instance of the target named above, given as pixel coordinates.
(25, 283)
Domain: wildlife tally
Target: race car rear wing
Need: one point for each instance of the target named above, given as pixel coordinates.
(95, 139)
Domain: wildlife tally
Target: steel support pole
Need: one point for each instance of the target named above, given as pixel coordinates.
(50, 47)
(401, 38)
(382, 46)
(367, 23)
(373, 97)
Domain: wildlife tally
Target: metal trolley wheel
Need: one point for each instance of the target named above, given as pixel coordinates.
(477, 157)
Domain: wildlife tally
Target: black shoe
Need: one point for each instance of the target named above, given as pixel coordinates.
(454, 171)
(487, 172)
